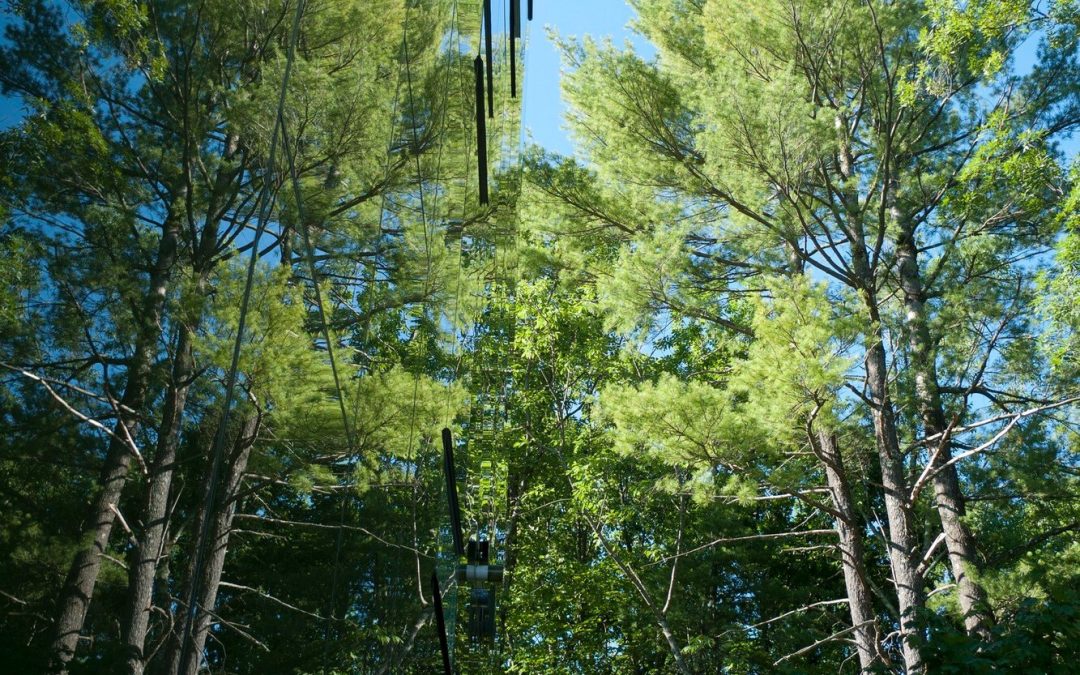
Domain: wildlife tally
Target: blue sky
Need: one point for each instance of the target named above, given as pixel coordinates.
(543, 105)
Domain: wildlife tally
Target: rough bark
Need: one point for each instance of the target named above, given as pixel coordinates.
(78, 589)
(948, 498)
(902, 537)
(903, 541)
(209, 578)
(152, 538)
(852, 558)
(151, 541)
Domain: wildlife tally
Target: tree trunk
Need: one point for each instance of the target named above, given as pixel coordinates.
(673, 645)
(214, 561)
(903, 541)
(82, 576)
(852, 558)
(949, 500)
(143, 572)
(151, 543)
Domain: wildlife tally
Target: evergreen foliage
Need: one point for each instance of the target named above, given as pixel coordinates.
(777, 374)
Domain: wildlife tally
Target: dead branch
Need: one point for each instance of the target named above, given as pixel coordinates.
(823, 603)
(321, 526)
(752, 537)
(124, 524)
(271, 598)
(821, 642)
(926, 563)
(127, 440)
(236, 629)
(997, 418)
(1014, 418)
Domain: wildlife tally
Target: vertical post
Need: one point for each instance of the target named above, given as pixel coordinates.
(530, 10)
(490, 60)
(440, 624)
(515, 32)
(451, 491)
(481, 137)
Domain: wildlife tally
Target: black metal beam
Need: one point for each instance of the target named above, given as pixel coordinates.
(515, 32)
(490, 60)
(481, 136)
(451, 491)
(440, 624)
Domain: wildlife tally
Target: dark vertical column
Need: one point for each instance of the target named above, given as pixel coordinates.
(481, 135)
(440, 624)
(490, 61)
(451, 487)
(530, 10)
(515, 32)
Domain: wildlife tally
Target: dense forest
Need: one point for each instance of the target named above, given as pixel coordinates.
(779, 372)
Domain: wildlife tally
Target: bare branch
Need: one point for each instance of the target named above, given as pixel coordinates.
(752, 537)
(823, 603)
(925, 563)
(271, 598)
(126, 440)
(235, 628)
(999, 418)
(932, 469)
(124, 524)
(822, 641)
(355, 528)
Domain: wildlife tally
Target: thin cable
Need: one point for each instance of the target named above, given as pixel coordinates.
(386, 181)
(339, 539)
(463, 84)
(456, 320)
(423, 222)
(442, 112)
(416, 132)
(428, 225)
(309, 254)
(428, 235)
(434, 211)
(191, 610)
(493, 411)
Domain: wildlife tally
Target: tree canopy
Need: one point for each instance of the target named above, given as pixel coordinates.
(777, 373)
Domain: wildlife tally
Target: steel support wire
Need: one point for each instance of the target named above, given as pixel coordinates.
(191, 609)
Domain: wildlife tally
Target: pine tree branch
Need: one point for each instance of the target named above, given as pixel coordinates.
(822, 641)
(271, 598)
(932, 469)
(1017, 551)
(126, 439)
(321, 526)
